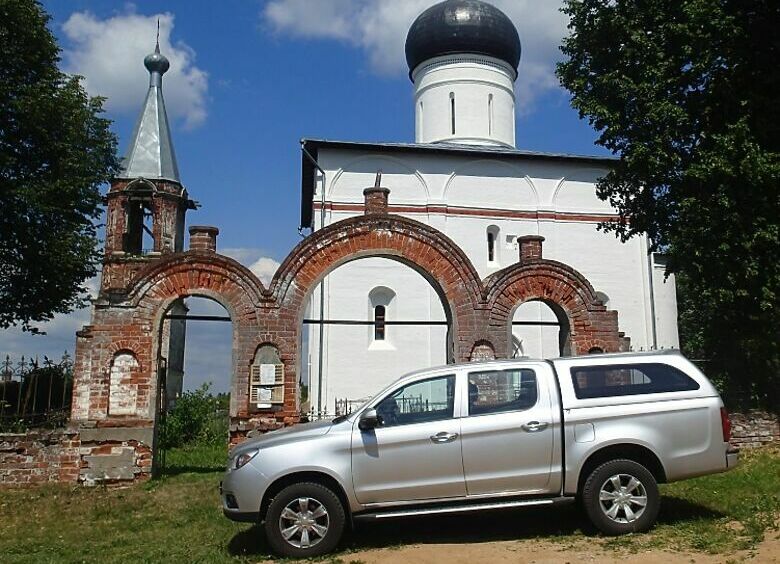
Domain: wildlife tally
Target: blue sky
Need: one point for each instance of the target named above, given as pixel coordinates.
(250, 78)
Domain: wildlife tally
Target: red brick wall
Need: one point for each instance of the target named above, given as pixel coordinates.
(39, 457)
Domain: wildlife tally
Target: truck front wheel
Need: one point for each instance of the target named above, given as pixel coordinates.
(621, 496)
(304, 520)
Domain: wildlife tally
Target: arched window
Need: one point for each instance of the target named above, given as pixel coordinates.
(492, 244)
(452, 111)
(381, 303)
(379, 323)
(490, 114)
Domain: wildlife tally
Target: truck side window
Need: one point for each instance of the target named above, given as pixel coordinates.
(419, 402)
(497, 391)
(629, 379)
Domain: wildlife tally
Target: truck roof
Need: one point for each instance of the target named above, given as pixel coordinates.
(505, 361)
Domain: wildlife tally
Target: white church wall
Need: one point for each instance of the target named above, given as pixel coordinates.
(538, 341)
(464, 197)
(666, 305)
(490, 184)
(356, 365)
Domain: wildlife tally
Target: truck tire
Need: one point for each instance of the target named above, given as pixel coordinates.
(304, 520)
(621, 496)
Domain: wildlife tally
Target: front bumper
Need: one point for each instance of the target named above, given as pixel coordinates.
(241, 492)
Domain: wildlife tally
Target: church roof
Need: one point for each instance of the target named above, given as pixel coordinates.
(445, 149)
(150, 153)
(462, 26)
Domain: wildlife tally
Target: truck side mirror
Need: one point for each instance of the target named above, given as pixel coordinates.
(369, 420)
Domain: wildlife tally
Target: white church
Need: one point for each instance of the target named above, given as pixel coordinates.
(464, 176)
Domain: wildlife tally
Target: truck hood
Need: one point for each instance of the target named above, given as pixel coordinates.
(285, 435)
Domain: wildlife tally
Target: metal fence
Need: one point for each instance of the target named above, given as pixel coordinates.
(35, 393)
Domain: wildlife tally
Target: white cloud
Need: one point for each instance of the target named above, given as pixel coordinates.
(262, 266)
(379, 27)
(109, 54)
(265, 268)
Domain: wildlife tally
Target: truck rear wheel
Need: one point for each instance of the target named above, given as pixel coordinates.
(304, 520)
(621, 496)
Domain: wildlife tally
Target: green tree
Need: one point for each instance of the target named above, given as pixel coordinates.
(686, 93)
(55, 152)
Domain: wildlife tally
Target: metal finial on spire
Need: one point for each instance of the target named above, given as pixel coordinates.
(157, 63)
(378, 181)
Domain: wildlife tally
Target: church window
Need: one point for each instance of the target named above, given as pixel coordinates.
(379, 323)
(381, 303)
(490, 114)
(492, 247)
(452, 111)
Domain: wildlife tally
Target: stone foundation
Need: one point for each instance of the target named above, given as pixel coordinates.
(754, 429)
(88, 456)
(39, 457)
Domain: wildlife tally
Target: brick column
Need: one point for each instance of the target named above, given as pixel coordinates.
(376, 200)
(203, 238)
(530, 248)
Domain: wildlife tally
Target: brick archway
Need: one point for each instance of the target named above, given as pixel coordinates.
(201, 273)
(584, 317)
(428, 251)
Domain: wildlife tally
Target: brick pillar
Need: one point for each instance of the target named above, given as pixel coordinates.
(530, 248)
(376, 200)
(203, 238)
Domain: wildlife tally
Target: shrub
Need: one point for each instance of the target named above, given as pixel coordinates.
(198, 417)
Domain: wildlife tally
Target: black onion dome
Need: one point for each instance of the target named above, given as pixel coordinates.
(462, 26)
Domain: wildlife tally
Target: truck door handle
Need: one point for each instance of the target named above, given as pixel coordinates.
(534, 426)
(444, 437)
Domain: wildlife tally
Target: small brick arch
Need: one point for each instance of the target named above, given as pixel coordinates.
(482, 350)
(565, 290)
(194, 273)
(212, 276)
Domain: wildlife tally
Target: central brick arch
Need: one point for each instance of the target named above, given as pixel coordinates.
(428, 251)
(586, 321)
(199, 273)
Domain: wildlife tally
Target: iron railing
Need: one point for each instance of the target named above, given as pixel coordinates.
(35, 393)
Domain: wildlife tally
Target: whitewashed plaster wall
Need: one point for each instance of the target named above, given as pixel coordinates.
(462, 196)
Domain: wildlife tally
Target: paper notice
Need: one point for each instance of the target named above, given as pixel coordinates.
(267, 375)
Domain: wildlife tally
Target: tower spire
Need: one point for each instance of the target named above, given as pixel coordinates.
(150, 153)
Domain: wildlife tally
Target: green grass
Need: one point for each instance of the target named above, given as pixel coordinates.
(178, 519)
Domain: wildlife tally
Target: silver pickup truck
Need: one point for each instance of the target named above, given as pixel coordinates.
(601, 429)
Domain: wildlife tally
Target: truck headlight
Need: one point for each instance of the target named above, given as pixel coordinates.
(243, 458)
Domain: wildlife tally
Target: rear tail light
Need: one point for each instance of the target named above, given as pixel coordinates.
(725, 424)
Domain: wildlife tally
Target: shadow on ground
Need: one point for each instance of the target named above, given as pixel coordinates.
(175, 470)
(478, 527)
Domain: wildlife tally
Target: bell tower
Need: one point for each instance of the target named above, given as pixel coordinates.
(147, 203)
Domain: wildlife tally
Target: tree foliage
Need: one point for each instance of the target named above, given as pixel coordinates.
(686, 93)
(55, 152)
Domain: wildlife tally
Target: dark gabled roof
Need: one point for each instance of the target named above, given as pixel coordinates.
(449, 149)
